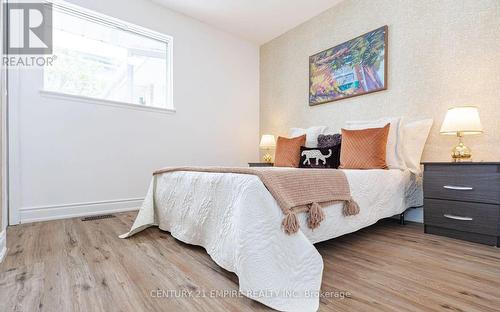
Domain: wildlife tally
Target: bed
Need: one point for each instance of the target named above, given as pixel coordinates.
(236, 219)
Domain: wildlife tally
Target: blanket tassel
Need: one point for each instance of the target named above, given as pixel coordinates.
(290, 223)
(316, 215)
(351, 208)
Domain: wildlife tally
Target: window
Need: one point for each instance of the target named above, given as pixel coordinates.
(103, 58)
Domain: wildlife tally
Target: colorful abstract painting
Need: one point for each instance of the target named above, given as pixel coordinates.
(355, 67)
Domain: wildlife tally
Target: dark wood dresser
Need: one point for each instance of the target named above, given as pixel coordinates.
(462, 200)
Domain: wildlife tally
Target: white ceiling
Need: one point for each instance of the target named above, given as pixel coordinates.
(256, 20)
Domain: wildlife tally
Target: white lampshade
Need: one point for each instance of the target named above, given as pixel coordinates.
(463, 120)
(267, 141)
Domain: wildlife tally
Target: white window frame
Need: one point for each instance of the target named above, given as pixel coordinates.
(124, 26)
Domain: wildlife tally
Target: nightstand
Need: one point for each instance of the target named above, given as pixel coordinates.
(462, 200)
(260, 164)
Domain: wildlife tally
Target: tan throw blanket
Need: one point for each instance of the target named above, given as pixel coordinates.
(295, 190)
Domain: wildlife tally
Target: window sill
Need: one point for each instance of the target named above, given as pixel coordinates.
(79, 98)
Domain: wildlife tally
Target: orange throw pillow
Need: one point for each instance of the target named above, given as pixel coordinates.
(288, 151)
(364, 149)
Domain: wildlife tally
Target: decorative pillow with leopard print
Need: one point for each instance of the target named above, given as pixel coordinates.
(328, 157)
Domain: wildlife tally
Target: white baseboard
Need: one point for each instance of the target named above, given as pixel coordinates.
(55, 212)
(3, 245)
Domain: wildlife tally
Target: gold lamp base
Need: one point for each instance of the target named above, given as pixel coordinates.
(268, 158)
(461, 152)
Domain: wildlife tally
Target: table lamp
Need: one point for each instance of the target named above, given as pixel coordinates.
(461, 121)
(267, 142)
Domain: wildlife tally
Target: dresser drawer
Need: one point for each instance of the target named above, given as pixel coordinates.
(463, 182)
(462, 216)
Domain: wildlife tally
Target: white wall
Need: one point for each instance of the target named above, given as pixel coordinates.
(74, 158)
(3, 202)
(440, 54)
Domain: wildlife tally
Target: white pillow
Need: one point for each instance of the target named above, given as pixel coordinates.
(394, 150)
(311, 133)
(331, 130)
(414, 136)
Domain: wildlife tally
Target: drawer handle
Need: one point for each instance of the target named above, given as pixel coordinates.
(458, 188)
(449, 216)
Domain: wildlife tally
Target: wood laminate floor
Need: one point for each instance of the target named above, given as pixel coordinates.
(70, 265)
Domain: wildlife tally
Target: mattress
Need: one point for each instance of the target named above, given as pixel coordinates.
(235, 218)
(379, 194)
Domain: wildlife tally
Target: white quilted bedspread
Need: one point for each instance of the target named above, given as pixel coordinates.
(238, 222)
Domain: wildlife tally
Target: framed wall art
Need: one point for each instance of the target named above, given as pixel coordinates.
(355, 67)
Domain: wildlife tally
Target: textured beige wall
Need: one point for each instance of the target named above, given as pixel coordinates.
(441, 54)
